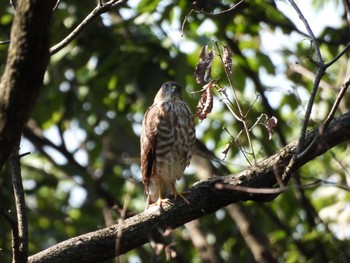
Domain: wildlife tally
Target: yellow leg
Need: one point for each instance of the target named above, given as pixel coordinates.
(147, 203)
(160, 200)
(176, 194)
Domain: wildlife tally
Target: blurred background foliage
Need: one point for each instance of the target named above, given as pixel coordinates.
(84, 132)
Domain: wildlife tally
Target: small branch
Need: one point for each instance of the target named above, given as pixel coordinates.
(335, 59)
(34, 134)
(184, 22)
(284, 226)
(122, 218)
(251, 233)
(99, 9)
(306, 73)
(7, 216)
(207, 252)
(310, 104)
(272, 191)
(14, 227)
(5, 42)
(218, 13)
(206, 13)
(340, 96)
(20, 253)
(56, 5)
(311, 34)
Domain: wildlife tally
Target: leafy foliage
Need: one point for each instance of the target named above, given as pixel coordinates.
(84, 132)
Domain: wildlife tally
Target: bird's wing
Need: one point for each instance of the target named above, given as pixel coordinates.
(148, 135)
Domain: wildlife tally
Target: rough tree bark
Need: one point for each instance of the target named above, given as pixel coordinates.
(26, 63)
(205, 198)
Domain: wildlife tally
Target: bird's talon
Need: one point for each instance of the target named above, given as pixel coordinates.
(160, 202)
(182, 197)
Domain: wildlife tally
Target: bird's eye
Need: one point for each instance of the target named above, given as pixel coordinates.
(166, 87)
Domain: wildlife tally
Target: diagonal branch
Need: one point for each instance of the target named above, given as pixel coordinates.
(205, 198)
(340, 96)
(98, 10)
(311, 34)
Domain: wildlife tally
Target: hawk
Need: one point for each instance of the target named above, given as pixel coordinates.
(167, 138)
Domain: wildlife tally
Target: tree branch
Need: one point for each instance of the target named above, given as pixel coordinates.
(199, 240)
(322, 67)
(99, 9)
(311, 34)
(205, 198)
(25, 66)
(257, 243)
(20, 242)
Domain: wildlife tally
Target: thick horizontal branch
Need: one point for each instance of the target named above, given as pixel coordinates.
(205, 198)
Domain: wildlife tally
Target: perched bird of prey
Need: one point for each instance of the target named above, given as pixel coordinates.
(167, 138)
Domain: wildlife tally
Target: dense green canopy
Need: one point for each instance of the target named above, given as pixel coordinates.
(83, 132)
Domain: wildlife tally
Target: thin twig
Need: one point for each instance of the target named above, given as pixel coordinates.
(310, 75)
(8, 217)
(242, 117)
(5, 42)
(327, 183)
(206, 13)
(99, 9)
(279, 190)
(278, 177)
(237, 144)
(122, 218)
(258, 121)
(310, 104)
(311, 34)
(218, 13)
(56, 5)
(21, 255)
(337, 57)
(328, 119)
(340, 96)
(184, 22)
(227, 102)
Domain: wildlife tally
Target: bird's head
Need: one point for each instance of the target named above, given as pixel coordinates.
(169, 91)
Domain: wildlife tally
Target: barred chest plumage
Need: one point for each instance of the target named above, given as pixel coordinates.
(174, 139)
(167, 139)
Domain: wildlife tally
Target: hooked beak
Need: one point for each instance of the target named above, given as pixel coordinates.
(174, 89)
